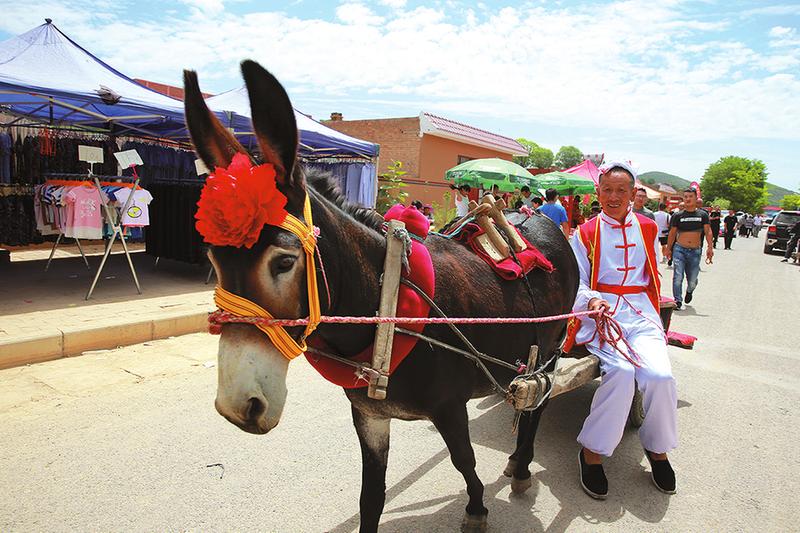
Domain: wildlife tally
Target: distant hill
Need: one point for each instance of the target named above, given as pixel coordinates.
(776, 192)
(672, 180)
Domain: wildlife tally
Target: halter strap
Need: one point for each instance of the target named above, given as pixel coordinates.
(239, 306)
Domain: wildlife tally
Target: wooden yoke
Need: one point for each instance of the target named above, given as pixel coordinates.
(494, 244)
(384, 333)
(502, 222)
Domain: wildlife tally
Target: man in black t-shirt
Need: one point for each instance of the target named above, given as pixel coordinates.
(687, 230)
(730, 222)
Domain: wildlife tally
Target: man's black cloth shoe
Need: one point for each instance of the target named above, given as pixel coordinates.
(678, 305)
(593, 478)
(784, 260)
(662, 474)
(688, 298)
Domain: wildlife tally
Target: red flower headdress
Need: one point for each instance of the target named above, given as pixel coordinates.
(236, 203)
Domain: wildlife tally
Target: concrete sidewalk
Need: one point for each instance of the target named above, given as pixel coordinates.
(43, 315)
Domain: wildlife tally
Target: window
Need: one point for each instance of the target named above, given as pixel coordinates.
(464, 159)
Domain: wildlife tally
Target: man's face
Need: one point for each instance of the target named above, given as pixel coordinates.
(689, 200)
(640, 199)
(526, 194)
(615, 193)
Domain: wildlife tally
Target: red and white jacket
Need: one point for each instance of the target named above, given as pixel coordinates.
(617, 262)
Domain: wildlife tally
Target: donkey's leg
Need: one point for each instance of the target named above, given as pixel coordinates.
(453, 424)
(373, 434)
(520, 460)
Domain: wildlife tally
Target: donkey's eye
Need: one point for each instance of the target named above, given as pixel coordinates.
(283, 264)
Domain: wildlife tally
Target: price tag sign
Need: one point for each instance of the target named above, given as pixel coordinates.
(128, 158)
(90, 154)
(200, 167)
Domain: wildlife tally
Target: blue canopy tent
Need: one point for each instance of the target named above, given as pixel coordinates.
(46, 79)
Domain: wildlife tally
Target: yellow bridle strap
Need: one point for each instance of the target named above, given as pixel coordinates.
(239, 306)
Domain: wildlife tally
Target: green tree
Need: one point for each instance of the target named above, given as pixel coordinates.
(791, 201)
(568, 156)
(390, 187)
(538, 157)
(740, 180)
(722, 203)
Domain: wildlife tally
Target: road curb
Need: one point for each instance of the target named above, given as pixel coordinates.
(18, 351)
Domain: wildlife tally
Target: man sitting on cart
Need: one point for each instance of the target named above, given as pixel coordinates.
(616, 253)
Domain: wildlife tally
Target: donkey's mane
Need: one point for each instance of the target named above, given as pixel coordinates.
(325, 184)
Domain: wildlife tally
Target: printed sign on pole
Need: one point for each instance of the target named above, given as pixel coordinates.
(128, 158)
(90, 154)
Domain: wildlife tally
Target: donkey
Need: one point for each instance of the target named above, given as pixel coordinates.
(432, 383)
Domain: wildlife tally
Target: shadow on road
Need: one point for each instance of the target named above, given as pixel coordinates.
(555, 469)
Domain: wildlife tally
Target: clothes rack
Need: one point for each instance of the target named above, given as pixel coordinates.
(116, 229)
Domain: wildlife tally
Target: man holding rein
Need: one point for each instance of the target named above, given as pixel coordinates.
(616, 253)
(685, 246)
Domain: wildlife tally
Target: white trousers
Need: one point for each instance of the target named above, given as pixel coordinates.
(603, 428)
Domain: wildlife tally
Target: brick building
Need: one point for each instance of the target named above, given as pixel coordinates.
(427, 145)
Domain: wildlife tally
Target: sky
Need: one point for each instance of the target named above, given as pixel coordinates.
(671, 85)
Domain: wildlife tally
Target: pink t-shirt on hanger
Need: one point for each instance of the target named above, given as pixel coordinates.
(86, 213)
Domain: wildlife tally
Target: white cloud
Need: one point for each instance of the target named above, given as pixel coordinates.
(357, 14)
(394, 4)
(643, 68)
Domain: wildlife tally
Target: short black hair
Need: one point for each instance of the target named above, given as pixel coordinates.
(551, 194)
(641, 189)
(617, 169)
(465, 188)
(595, 203)
(537, 200)
(525, 188)
(662, 205)
(691, 190)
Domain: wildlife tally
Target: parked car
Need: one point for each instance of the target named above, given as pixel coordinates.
(778, 231)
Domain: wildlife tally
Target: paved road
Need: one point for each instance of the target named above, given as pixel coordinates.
(128, 440)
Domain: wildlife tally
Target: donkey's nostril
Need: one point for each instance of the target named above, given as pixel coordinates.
(255, 408)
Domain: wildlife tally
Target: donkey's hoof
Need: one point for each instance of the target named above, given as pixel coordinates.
(510, 467)
(474, 523)
(519, 486)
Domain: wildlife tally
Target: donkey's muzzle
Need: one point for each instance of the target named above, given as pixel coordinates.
(250, 416)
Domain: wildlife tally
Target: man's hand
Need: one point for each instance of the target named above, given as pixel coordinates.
(668, 253)
(598, 304)
(709, 255)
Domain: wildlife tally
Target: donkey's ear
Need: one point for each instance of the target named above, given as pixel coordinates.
(275, 128)
(215, 144)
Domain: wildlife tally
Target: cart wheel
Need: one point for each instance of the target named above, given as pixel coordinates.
(636, 416)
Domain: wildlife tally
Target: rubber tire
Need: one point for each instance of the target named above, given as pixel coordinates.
(636, 415)
(768, 249)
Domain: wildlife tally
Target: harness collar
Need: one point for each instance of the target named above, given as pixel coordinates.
(240, 306)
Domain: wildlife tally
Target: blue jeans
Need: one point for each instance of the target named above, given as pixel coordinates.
(685, 260)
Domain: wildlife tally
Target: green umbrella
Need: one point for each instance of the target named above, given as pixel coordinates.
(564, 183)
(507, 175)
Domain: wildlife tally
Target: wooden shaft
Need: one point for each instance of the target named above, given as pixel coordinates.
(503, 225)
(486, 225)
(384, 333)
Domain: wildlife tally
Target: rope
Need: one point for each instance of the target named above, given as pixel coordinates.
(222, 317)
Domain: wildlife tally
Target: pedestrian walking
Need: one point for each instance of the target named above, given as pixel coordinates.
(714, 220)
(617, 274)
(685, 246)
(662, 220)
(748, 226)
(731, 223)
(791, 246)
(757, 223)
(638, 203)
(554, 211)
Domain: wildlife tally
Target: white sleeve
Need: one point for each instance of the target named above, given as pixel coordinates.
(584, 269)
